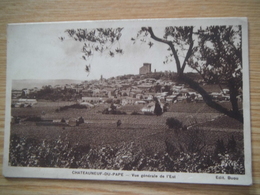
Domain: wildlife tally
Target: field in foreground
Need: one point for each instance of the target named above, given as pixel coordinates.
(140, 143)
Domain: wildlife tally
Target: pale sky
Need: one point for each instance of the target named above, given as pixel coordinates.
(34, 51)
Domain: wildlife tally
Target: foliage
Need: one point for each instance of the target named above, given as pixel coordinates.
(97, 40)
(123, 156)
(218, 58)
(110, 111)
(178, 38)
(195, 141)
(75, 106)
(218, 46)
(157, 109)
(157, 88)
(220, 147)
(173, 123)
(166, 107)
(229, 150)
(231, 145)
(53, 94)
(227, 165)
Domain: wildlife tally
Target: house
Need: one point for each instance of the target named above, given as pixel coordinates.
(128, 100)
(139, 96)
(136, 89)
(148, 96)
(171, 98)
(16, 93)
(181, 97)
(125, 92)
(225, 91)
(26, 91)
(95, 92)
(87, 104)
(87, 93)
(132, 94)
(125, 86)
(199, 98)
(24, 102)
(177, 88)
(216, 96)
(90, 101)
(145, 86)
(67, 86)
(149, 108)
(111, 93)
(140, 102)
(151, 80)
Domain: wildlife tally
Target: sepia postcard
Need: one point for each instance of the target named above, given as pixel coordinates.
(149, 100)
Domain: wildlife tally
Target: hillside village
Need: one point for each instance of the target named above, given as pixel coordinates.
(141, 89)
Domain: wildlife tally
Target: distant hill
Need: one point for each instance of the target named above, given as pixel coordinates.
(31, 83)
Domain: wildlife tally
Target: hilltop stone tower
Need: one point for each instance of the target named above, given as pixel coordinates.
(145, 69)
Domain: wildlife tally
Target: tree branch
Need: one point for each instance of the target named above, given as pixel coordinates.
(189, 53)
(178, 64)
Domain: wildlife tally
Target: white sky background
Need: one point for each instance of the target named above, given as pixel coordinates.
(34, 51)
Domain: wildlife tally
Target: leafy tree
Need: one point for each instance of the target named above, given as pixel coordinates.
(218, 46)
(98, 40)
(157, 88)
(173, 123)
(218, 58)
(157, 108)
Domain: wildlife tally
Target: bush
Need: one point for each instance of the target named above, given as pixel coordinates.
(31, 152)
(75, 106)
(220, 147)
(157, 109)
(195, 141)
(173, 123)
(105, 111)
(231, 145)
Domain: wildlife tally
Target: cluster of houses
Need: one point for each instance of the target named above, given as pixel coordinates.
(125, 90)
(138, 91)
